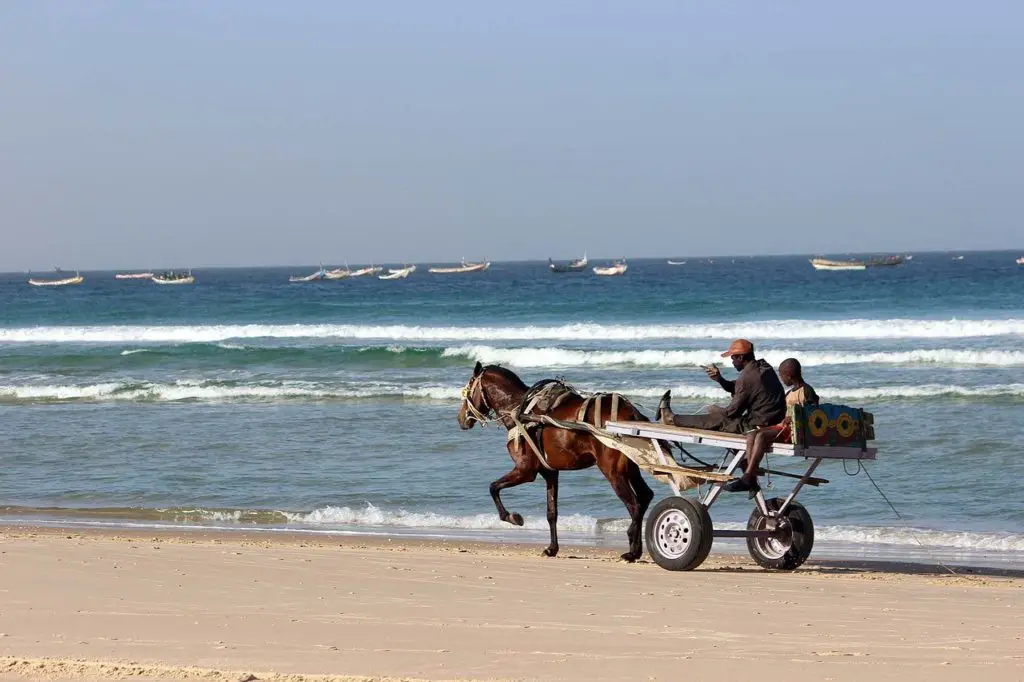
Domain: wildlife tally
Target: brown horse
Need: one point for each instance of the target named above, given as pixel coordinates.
(495, 393)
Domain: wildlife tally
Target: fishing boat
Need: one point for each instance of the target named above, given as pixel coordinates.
(174, 278)
(401, 273)
(885, 262)
(676, 262)
(617, 268)
(466, 266)
(578, 265)
(370, 270)
(134, 275)
(318, 275)
(398, 273)
(826, 264)
(63, 282)
(338, 273)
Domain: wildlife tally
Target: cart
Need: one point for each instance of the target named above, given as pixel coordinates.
(780, 533)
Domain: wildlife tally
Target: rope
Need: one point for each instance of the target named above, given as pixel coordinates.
(906, 526)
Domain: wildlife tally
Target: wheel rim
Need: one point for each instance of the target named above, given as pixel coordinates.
(776, 546)
(673, 534)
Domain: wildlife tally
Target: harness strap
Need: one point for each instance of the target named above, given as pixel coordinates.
(581, 414)
(597, 409)
(615, 407)
(519, 431)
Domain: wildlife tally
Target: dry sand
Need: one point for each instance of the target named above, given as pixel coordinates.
(112, 605)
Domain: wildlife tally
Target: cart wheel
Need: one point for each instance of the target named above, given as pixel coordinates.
(679, 534)
(792, 544)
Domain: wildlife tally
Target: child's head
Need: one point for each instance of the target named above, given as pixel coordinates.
(790, 371)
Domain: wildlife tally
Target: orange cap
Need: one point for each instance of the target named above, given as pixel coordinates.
(739, 347)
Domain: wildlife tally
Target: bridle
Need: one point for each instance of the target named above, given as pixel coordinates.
(489, 414)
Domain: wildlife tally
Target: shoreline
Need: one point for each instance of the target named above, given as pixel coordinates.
(95, 604)
(718, 559)
(955, 559)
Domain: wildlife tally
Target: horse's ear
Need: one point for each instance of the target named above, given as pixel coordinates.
(479, 368)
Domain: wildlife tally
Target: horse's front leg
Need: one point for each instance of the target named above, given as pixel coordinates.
(510, 480)
(551, 478)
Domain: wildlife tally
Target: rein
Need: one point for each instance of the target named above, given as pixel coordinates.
(483, 418)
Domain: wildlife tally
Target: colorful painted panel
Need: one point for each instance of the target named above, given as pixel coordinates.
(828, 424)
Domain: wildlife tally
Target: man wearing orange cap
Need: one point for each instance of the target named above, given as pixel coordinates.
(758, 398)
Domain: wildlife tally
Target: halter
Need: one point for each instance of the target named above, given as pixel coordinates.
(485, 417)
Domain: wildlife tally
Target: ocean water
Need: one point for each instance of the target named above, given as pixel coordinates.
(248, 402)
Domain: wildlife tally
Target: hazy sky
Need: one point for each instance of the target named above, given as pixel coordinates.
(171, 134)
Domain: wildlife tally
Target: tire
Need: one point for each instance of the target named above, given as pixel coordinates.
(678, 534)
(792, 546)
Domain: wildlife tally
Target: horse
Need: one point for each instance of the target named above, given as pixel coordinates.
(494, 393)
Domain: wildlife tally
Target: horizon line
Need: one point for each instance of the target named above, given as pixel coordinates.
(527, 260)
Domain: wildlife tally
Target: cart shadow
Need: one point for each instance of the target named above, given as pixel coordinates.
(880, 567)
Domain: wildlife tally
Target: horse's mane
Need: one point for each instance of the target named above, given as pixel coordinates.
(507, 374)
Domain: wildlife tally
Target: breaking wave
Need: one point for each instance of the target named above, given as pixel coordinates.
(370, 516)
(213, 391)
(561, 357)
(776, 329)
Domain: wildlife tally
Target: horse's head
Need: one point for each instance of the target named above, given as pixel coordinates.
(491, 391)
(475, 407)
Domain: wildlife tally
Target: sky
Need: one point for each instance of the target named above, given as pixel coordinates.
(196, 133)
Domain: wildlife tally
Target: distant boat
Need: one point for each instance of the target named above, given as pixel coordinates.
(466, 266)
(826, 264)
(885, 262)
(370, 270)
(398, 273)
(676, 262)
(134, 275)
(318, 275)
(338, 273)
(577, 265)
(174, 278)
(1020, 261)
(958, 258)
(616, 268)
(66, 281)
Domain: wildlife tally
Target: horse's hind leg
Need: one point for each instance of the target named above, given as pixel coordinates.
(551, 478)
(644, 495)
(619, 478)
(513, 478)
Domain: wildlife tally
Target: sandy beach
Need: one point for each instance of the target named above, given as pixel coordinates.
(165, 605)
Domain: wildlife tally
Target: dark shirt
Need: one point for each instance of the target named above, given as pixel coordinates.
(758, 398)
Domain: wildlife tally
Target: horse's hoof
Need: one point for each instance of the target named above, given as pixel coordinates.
(515, 518)
(630, 557)
(550, 552)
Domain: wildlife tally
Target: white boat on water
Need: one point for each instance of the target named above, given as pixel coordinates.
(66, 281)
(616, 268)
(577, 265)
(466, 266)
(318, 275)
(370, 270)
(826, 264)
(398, 273)
(676, 262)
(1020, 261)
(134, 275)
(174, 278)
(338, 273)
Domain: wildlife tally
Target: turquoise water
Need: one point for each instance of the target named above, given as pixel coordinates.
(246, 401)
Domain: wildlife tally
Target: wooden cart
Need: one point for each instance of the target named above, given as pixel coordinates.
(780, 532)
